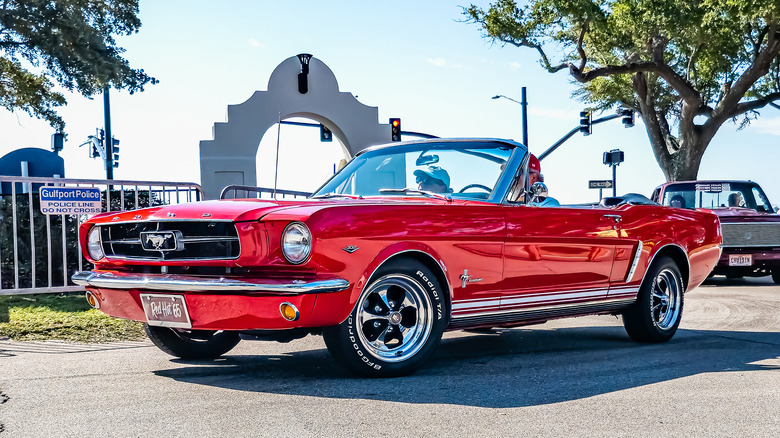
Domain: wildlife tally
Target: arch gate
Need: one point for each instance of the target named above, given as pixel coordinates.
(301, 86)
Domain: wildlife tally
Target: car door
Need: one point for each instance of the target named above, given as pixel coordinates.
(557, 255)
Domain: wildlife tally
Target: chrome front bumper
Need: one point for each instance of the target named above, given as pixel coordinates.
(184, 283)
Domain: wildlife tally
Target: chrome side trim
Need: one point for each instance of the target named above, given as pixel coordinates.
(542, 312)
(637, 254)
(184, 283)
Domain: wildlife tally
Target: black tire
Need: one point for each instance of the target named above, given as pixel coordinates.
(396, 324)
(776, 275)
(192, 344)
(658, 310)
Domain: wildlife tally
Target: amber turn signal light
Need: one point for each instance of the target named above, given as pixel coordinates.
(92, 300)
(289, 312)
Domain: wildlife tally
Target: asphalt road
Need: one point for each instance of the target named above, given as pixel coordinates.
(719, 376)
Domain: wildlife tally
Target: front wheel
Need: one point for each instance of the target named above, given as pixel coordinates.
(776, 275)
(396, 324)
(658, 310)
(192, 344)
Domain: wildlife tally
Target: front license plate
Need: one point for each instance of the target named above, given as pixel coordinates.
(166, 310)
(740, 259)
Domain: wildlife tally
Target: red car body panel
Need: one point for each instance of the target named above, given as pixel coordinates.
(498, 262)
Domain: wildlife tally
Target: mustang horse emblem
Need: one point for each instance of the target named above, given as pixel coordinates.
(157, 240)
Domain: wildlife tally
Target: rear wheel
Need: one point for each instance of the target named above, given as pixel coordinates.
(396, 324)
(192, 344)
(658, 310)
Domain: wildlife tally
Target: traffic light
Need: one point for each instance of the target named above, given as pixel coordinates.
(613, 157)
(395, 129)
(628, 117)
(57, 141)
(325, 134)
(586, 123)
(115, 150)
(95, 146)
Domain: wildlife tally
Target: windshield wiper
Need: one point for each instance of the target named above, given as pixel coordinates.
(336, 195)
(417, 192)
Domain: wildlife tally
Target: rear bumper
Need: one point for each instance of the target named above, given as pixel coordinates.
(763, 261)
(183, 283)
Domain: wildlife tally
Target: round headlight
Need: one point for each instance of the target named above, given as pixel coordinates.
(94, 248)
(296, 243)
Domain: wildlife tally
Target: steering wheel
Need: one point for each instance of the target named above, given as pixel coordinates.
(477, 186)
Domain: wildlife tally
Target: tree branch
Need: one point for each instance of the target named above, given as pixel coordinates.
(729, 105)
(755, 104)
(545, 60)
(580, 50)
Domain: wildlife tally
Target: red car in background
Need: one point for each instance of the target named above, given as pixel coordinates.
(406, 241)
(750, 224)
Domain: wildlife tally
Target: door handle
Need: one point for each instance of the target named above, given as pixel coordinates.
(614, 217)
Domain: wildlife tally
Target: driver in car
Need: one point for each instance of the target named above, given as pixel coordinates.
(535, 175)
(433, 179)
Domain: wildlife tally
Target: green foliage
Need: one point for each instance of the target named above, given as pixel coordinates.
(68, 41)
(671, 60)
(65, 317)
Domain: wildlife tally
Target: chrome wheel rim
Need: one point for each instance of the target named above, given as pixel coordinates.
(665, 299)
(394, 318)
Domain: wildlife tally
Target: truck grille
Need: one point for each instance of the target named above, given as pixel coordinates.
(751, 234)
(171, 240)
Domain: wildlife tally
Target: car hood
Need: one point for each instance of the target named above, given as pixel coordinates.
(248, 209)
(735, 214)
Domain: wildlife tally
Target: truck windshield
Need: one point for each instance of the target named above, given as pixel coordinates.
(713, 195)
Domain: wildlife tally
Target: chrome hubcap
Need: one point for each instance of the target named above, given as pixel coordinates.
(394, 318)
(665, 299)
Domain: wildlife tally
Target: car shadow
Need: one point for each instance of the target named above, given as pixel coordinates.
(720, 280)
(507, 368)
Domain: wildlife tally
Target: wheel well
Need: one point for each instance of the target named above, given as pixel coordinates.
(427, 261)
(677, 254)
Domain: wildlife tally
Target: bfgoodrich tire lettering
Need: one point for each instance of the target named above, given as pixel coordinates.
(396, 324)
(658, 310)
(192, 344)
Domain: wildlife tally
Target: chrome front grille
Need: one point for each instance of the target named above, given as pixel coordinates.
(171, 240)
(748, 234)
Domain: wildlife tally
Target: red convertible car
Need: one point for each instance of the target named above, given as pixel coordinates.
(406, 241)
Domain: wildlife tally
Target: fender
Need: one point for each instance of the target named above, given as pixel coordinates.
(391, 251)
(657, 250)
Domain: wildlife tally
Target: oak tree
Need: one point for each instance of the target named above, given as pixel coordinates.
(70, 43)
(687, 66)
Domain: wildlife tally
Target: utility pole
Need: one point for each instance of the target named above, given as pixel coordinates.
(524, 104)
(109, 139)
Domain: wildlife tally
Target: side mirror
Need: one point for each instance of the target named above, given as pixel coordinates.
(537, 192)
(777, 209)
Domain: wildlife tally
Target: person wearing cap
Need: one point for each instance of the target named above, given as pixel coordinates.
(433, 179)
(535, 175)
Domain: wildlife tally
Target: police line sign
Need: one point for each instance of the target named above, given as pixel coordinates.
(70, 200)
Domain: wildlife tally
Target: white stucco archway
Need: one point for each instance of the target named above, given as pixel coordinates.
(230, 158)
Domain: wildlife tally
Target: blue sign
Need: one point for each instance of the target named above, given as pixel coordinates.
(70, 200)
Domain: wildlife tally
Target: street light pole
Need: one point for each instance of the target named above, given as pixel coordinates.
(524, 103)
(109, 141)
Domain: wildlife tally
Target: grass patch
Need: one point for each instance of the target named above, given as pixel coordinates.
(64, 317)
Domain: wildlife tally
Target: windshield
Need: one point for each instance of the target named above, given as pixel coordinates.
(717, 195)
(465, 170)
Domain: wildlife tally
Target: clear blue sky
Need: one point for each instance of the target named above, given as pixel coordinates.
(411, 59)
